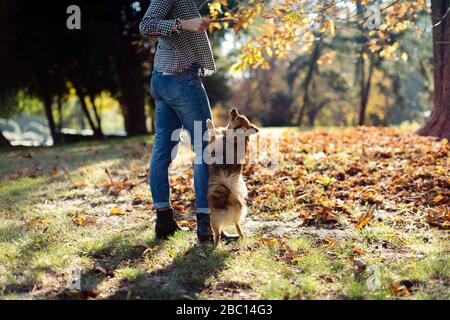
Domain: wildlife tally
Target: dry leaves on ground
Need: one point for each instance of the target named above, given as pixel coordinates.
(350, 174)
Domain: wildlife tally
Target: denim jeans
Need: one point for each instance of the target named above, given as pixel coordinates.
(180, 101)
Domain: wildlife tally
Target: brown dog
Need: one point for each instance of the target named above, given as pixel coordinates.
(227, 192)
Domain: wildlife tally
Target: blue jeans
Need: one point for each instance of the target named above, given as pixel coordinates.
(180, 101)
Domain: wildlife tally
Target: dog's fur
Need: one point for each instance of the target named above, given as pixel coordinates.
(227, 192)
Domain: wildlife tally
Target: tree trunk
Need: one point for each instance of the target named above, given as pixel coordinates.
(365, 89)
(60, 115)
(97, 132)
(315, 110)
(309, 76)
(96, 113)
(438, 124)
(3, 141)
(312, 114)
(365, 83)
(51, 121)
(132, 99)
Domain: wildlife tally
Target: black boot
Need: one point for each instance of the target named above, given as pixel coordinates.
(166, 224)
(204, 232)
(229, 237)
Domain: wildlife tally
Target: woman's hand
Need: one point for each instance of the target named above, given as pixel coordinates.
(195, 25)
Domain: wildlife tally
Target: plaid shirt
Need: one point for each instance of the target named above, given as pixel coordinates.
(176, 52)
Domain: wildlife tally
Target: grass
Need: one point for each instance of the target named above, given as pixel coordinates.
(43, 191)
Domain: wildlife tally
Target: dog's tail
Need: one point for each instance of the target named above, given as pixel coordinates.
(227, 191)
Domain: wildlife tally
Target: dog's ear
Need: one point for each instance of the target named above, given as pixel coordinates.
(253, 129)
(233, 113)
(211, 130)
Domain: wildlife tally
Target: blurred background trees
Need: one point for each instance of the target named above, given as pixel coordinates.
(291, 63)
(377, 39)
(70, 75)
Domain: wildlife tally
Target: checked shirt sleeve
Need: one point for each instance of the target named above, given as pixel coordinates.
(154, 22)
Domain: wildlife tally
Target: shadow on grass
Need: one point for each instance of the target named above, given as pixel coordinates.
(23, 272)
(11, 232)
(184, 278)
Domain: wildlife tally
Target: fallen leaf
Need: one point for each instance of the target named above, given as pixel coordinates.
(328, 216)
(295, 260)
(438, 199)
(83, 220)
(268, 240)
(151, 250)
(31, 223)
(187, 223)
(141, 244)
(27, 155)
(116, 212)
(331, 242)
(80, 184)
(364, 219)
(138, 199)
(399, 290)
(55, 171)
(298, 296)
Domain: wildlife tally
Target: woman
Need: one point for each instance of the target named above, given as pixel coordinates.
(183, 56)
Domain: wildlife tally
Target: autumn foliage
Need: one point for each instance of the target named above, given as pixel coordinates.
(281, 29)
(353, 176)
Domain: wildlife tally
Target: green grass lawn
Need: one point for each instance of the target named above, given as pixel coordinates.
(55, 216)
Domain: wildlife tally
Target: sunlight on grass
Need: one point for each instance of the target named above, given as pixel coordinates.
(41, 240)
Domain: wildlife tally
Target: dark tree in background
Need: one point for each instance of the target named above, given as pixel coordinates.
(438, 124)
(41, 57)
